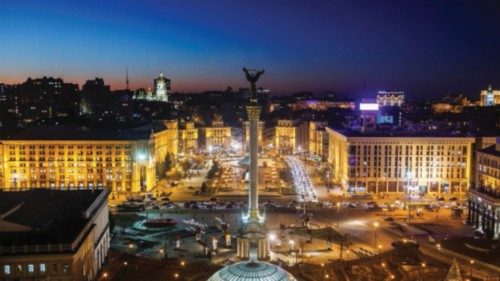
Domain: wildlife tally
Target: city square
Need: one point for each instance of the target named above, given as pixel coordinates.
(241, 141)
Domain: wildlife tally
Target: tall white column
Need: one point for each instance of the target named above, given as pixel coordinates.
(253, 207)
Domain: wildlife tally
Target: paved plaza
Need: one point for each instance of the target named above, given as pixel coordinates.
(338, 228)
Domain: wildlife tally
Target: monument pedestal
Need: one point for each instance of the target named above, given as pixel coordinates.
(243, 248)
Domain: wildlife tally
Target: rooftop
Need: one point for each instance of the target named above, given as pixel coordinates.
(491, 150)
(252, 270)
(82, 133)
(47, 216)
(401, 133)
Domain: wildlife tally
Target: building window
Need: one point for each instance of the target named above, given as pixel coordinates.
(6, 270)
(42, 268)
(65, 268)
(31, 268)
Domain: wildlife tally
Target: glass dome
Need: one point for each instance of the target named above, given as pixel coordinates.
(252, 270)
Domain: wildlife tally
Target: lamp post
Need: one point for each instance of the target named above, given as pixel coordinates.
(338, 213)
(471, 273)
(409, 176)
(366, 178)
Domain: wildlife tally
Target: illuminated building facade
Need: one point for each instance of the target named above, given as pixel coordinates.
(488, 166)
(161, 90)
(35, 246)
(285, 137)
(484, 200)
(322, 105)
(391, 98)
(188, 138)
(216, 135)
(318, 140)
(123, 161)
(489, 97)
(391, 161)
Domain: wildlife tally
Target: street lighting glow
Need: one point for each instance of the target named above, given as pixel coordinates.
(141, 156)
(409, 175)
(272, 237)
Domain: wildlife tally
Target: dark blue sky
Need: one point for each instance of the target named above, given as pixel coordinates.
(423, 47)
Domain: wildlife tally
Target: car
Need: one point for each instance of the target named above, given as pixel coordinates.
(453, 199)
(389, 219)
(477, 234)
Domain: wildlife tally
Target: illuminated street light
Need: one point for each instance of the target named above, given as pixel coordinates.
(409, 176)
(141, 156)
(271, 237)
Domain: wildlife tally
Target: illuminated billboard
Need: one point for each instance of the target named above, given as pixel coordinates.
(368, 106)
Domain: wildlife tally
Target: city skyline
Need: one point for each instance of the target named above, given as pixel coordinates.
(426, 49)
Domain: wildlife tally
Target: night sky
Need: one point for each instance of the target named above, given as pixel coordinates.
(425, 48)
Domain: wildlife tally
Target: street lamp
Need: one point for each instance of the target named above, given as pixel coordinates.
(338, 213)
(471, 273)
(409, 176)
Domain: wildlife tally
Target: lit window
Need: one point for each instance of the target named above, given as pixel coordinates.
(6, 269)
(31, 268)
(42, 267)
(65, 268)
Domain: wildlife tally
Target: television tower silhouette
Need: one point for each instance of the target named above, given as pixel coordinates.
(126, 77)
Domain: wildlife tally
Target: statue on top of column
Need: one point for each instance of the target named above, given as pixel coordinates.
(253, 76)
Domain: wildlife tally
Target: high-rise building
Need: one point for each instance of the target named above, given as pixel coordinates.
(44, 99)
(96, 96)
(48, 234)
(400, 161)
